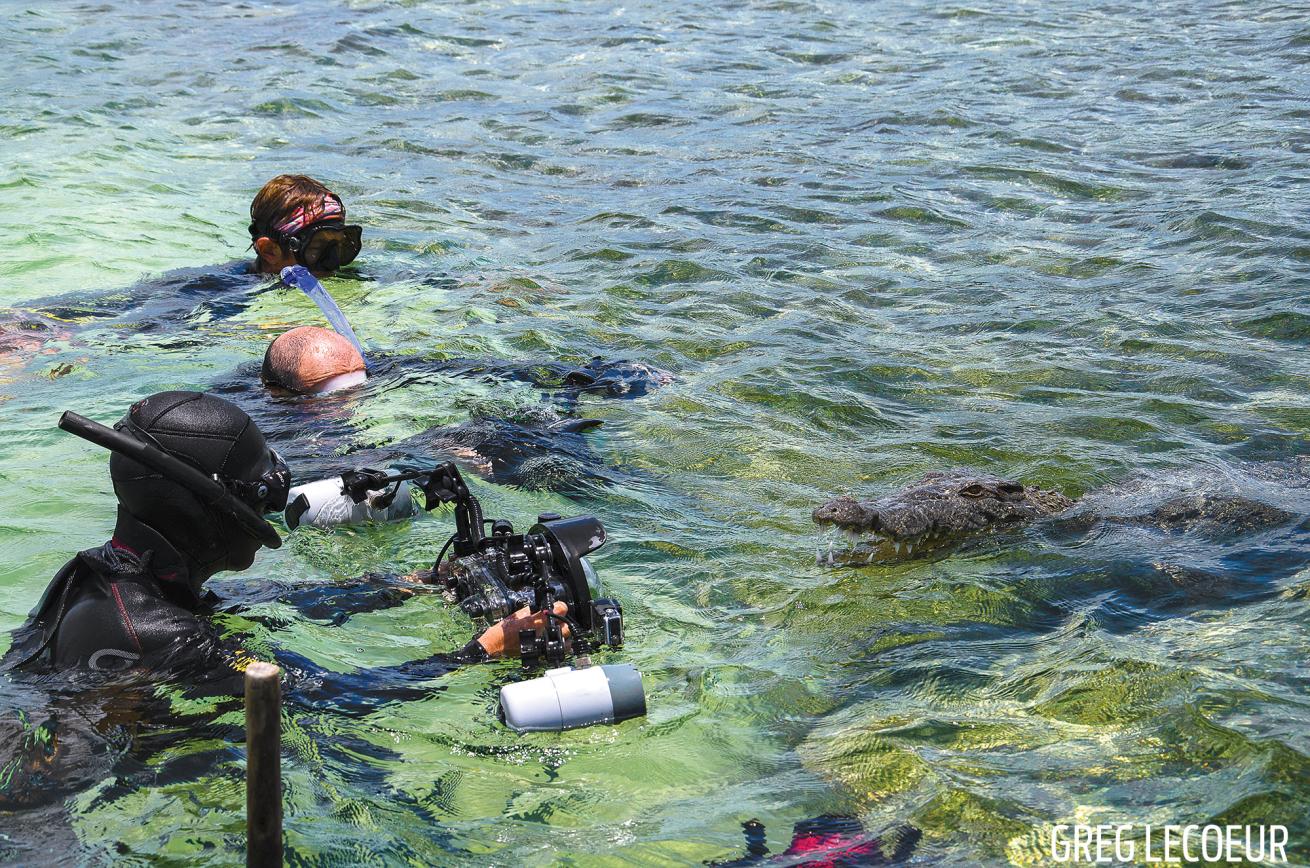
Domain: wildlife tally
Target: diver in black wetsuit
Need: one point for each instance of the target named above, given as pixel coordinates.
(79, 705)
(135, 607)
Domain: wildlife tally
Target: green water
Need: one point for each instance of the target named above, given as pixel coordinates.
(1065, 242)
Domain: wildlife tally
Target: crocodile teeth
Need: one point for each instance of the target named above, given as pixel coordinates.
(898, 547)
(909, 548)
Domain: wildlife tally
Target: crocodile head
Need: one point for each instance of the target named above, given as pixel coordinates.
(937, 513)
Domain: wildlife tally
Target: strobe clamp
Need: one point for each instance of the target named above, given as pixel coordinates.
(441, 485)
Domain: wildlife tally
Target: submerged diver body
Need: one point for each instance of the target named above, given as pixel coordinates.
(311, 360)
(305, 412)
(564, 383)
(294, 219)
(119, 620)
(539, 446)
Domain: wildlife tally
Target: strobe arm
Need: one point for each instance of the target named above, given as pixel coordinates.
(356, 484)
(445, 485)
(440, 485)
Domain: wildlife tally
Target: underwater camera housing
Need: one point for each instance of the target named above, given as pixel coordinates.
(506, 571)
(493, 575)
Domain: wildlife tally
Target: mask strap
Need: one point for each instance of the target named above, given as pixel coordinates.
(330, 208)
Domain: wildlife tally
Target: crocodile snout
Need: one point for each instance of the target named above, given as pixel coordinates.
(848, 513)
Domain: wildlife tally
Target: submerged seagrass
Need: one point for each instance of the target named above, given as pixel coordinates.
(1063, 242)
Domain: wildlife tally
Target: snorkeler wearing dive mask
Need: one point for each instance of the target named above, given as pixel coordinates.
(295, 220)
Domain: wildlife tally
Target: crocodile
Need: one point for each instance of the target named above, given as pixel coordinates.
(946, 509)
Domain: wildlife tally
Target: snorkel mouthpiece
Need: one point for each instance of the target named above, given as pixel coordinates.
(300, 277)
(210, 491)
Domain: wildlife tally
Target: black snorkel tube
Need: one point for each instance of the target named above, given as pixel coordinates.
(210, 491)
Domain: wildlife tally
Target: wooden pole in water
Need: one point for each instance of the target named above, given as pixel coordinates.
(263, 765)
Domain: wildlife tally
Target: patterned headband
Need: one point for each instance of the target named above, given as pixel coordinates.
(307, 215)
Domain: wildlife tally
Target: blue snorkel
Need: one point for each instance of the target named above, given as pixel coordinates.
(299, 277)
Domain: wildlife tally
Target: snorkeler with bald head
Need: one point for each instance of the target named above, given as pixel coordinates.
(311, 360)
(310, 372)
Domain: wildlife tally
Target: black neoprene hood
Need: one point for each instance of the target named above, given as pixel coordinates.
(217, 438)
(213, 434)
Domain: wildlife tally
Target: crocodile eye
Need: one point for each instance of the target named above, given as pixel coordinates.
(975, 490)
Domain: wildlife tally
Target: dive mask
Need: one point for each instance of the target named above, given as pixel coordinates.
(268, 493)
(325, 247)
(317, 235)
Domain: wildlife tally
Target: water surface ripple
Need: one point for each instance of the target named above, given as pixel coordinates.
(1063, 241)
